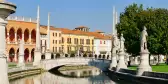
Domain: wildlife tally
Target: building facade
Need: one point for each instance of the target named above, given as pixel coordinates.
(62, 40)
(74, 40)
(102, 46)
(55, 40)
(21, 28)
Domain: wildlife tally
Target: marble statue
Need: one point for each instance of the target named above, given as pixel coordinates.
(122, 40)
(143, 39)
(115, 43)
(144, 54)
(121, 63)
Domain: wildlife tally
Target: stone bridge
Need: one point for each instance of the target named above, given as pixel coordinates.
(102, 64)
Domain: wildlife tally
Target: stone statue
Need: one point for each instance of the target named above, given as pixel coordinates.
(115, 42)
(143, 39)
(122, 40)
(121, 62)
(144, 55)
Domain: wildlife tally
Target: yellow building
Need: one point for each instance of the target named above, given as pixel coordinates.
(66, 41)
(74, 40)
(62, 40)
(55, 40)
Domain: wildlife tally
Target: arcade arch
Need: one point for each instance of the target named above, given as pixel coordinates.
(11, 34)
(11, 54)
(19, 33)
(26, 35)
(33, 36)
(26, 54)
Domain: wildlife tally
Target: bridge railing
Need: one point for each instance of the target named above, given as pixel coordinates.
(102, 64)
(93, 57)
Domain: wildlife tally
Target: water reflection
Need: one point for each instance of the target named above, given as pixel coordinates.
(81, 73)
(48, 78)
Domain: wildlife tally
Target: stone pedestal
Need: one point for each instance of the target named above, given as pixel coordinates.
(113, 63)
(121, 63)
(3, 71)
(37, 58)
(48, 55)
(5, 10)
(136, 61)
(144, 64)
(21, 63)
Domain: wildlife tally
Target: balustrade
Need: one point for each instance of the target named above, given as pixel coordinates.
(25, 19)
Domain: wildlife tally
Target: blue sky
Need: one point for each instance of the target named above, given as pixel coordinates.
(95, 14)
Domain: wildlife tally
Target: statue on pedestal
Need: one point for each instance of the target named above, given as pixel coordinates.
(121, 63)
(122, 40)
(115, 44)
(144, 59)
(143, 39)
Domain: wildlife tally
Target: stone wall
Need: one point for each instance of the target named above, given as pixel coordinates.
(130, 77)
(133, 72)
(23, 73)
(156, 74)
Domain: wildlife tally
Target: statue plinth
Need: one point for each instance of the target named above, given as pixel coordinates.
(21, 63)
(121, 63)
(144, 63)
(37, 58)
(5, 10)
(113, 63)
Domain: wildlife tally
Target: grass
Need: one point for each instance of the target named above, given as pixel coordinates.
(155, 68)
(13, 65)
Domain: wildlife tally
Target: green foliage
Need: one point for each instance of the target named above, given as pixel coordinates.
(134, 18)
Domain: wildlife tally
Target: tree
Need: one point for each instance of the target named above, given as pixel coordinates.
(134, 18)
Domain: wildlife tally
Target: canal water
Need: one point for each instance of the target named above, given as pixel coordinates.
(68, 77)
